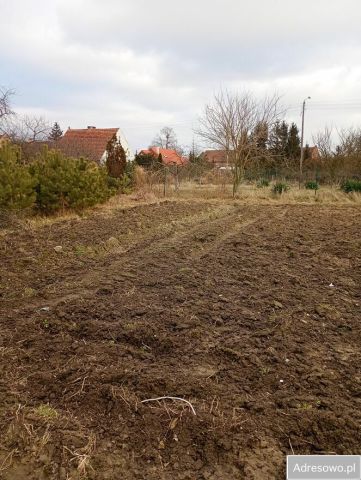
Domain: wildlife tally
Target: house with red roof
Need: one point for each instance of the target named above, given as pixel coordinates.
(218, 158)
(90, 143)
(311, 153)
(169, 156)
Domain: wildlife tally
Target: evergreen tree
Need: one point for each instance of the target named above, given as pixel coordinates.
(63, 182)
(145, 160)
(149, 160)
(260, 136)
(278, 139)
(306, 152)
(16, 183)
(116, 158)
(56, 132)
(293, 143)
(193, 158)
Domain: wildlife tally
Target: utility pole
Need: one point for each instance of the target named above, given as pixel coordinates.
(302, 137)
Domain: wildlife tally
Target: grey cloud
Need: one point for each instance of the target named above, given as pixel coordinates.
(141, 64)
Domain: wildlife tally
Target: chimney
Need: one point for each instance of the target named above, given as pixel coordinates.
(90, 127)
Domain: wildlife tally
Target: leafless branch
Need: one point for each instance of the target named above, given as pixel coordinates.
(236, 122)
(323, 141)
(5, 102)
(26, 128)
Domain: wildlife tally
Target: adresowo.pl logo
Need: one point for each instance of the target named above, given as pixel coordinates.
(324, 467)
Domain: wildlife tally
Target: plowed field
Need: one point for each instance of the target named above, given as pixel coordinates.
(250, 313)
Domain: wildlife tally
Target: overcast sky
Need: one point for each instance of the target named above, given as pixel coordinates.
(141, 64)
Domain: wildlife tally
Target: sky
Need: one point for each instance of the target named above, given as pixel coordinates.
(141, 65)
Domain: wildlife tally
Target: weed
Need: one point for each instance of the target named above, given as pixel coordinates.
(280, 187)
(312, 185)
(45, 323)
(304, 406)
(263, 182)
(29, 292)
(80, 250)
(349, 186)
(265, 370)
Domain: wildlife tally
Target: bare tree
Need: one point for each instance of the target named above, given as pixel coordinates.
(37, 128)
(166, 138)
(5, 109)
(26, 128)
(323, 141)
(232, 122)
(350, 142)
(5, 102)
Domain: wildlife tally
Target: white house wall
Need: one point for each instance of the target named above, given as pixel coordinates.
(125, 145)
(124, 142)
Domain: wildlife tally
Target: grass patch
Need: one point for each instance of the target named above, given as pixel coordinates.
(46, 411)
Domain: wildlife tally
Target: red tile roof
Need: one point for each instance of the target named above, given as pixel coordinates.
(217, 157)
(88, 142)
(169, 157)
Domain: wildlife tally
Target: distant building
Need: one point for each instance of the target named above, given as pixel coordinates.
(311, 153)
(90, 143)
(169, 156)
(217, 158)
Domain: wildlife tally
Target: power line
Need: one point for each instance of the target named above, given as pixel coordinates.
(324, 105)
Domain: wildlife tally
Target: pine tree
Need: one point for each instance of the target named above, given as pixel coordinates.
(16, 184)
(283, 133)
(62, 182)
(293, 143)
(278, 139)
(56, 132)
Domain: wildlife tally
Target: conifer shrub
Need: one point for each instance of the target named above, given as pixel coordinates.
(124, 184)
(62, 182)
(16, 183)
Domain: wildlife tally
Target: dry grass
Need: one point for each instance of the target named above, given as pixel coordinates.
(250, 194)
(33, 223)
(149, 191)
(82, 457)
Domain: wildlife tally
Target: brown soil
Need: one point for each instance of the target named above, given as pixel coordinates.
(225, 305)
